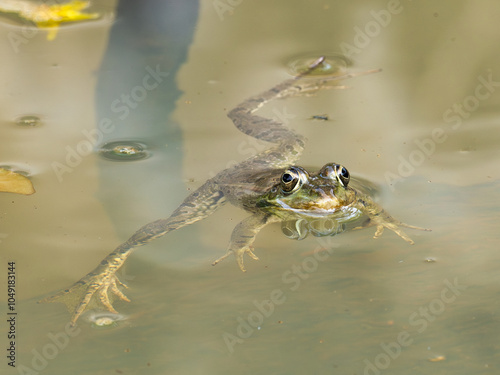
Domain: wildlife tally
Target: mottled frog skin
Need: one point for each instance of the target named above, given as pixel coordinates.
(267, 185)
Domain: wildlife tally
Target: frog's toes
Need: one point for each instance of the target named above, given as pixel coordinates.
(104, 298)
(112, 287)
(238, 253)
(414, 227)
(378, 232)
(218, 260)
(118, 292)
(251, 254)
(395, 228)
(403, 235)
(239, 256)
(96, 290)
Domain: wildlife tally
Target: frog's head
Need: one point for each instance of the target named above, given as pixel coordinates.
(310, 194)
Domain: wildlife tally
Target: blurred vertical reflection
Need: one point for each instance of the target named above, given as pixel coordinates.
(136, 94)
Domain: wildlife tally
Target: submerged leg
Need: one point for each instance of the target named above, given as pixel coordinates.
(99, 288)
(381, 219)
(395, 226)
(243, 237)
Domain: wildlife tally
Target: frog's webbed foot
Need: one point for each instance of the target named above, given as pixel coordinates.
(238, 253)
(243, 237)
(95, 290)
(393, 225)
(396, 228)
(311, 85)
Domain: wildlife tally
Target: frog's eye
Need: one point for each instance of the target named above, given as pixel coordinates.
(335, 172)
(286, 178)
(342, 175)
(290, 181)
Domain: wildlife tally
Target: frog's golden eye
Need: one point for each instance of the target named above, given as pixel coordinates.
(290, 181)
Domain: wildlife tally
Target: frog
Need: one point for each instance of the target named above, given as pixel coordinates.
(268, 185)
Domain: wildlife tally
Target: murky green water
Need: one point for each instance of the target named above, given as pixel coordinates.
(425, 129)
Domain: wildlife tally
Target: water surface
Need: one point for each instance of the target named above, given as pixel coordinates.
(425, 130)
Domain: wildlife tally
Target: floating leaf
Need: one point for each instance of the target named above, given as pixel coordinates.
(12, 182)
(49, 16)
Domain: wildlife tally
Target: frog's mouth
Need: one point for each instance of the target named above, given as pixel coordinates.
(321, 208)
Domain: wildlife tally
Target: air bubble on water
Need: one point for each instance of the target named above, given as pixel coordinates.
(124, 151)
(28, 121)
(333, 64)
(103, 320)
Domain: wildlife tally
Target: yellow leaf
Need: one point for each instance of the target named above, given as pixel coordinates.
(49, 16)
(12, 182)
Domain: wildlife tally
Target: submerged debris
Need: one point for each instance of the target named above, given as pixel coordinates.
(320, 117)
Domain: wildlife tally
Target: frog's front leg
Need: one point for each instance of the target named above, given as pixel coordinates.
(395, 225)
(381, 220)
(243, 237)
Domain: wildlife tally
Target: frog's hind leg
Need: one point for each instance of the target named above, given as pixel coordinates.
(243, 237)
(100, 287)
(271, 130)
(289, 143)
(311, 85)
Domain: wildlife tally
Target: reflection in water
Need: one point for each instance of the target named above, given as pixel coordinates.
(301, 228)
(135, 95)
